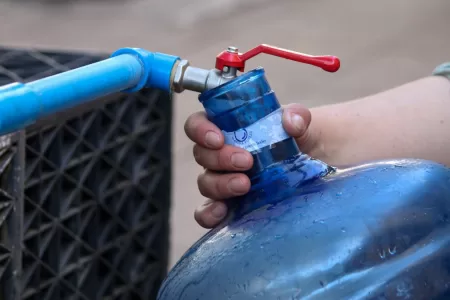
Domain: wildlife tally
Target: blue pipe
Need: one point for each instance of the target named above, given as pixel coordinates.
(128, 70)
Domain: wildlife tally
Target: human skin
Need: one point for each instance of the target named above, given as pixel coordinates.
(410, 121)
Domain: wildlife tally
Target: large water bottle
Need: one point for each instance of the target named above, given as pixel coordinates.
(307, 230)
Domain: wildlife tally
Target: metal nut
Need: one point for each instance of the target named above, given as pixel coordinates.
(177, 83)
(232, 49)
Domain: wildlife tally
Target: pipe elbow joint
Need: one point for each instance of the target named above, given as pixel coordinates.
(157, 68)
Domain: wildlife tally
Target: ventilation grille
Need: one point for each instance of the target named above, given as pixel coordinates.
(96, 193)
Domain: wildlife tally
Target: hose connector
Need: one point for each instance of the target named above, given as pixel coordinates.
(199, 80)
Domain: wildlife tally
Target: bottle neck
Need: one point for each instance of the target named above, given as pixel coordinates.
(247, 111)
(278, 175)
(285, 164)
(272, 154)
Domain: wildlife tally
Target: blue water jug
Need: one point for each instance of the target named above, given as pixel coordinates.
(307, 230)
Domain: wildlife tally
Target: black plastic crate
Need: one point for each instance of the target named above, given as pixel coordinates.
(85, 194)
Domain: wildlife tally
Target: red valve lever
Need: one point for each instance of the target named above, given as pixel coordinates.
(232, 58)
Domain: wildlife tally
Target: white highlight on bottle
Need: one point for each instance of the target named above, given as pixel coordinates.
(264, 132)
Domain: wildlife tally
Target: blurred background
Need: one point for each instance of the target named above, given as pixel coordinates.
(381, 44)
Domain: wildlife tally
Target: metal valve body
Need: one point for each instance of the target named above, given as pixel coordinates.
(230, 61)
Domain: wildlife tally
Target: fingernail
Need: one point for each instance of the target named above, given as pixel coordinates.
(239, 160)
(212, 139)
(236, 185)
(219, 210)
(297, 122)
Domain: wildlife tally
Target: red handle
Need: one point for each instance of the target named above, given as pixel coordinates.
(232, 58)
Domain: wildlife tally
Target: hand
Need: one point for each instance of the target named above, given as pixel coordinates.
(211, 153)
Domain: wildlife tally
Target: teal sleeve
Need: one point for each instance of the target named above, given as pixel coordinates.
(443, 70)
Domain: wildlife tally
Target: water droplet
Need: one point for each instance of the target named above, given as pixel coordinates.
(393, 250)
(382, 254)
(339, 194)
(343, 230)
(245, 287)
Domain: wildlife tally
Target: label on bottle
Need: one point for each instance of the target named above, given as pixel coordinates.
(267, 131)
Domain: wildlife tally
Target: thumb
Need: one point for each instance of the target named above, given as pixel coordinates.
(296, 119)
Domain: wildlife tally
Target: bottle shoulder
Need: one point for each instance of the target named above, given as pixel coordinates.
(347, 231)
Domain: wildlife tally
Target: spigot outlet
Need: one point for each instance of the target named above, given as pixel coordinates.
(199, 80)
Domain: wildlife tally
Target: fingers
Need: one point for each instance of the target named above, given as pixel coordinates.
(201, 131)
(226, 159)
(210, 213)
(222, 186)
(211, 153)
(218, 186)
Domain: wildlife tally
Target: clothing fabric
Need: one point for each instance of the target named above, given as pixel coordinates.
(443, 70)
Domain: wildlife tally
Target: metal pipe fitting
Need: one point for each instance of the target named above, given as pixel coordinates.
(199, 80)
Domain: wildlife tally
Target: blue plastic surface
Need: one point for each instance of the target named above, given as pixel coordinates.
(128, 70)
(157, 68)
(241, 103)
(309, 231)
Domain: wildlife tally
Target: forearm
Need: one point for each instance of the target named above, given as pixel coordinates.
(411, 121)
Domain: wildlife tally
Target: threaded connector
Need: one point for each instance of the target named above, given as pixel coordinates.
(199, 80)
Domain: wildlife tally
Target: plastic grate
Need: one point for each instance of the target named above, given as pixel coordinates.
(9, 219)
(97, 192)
